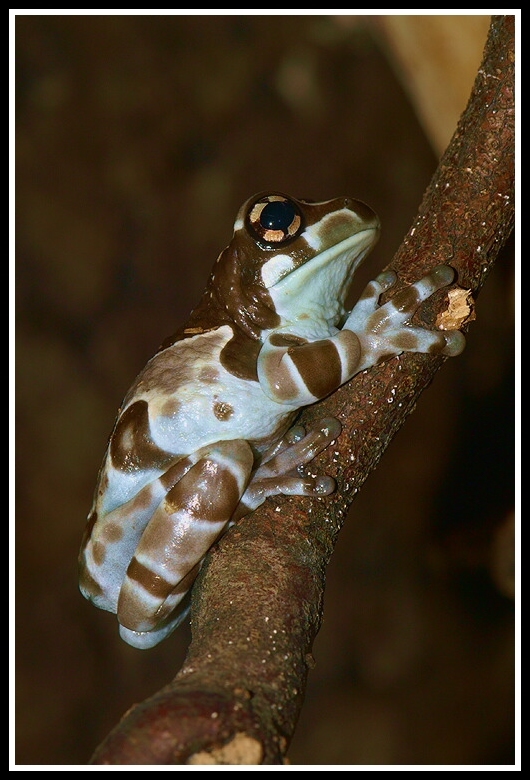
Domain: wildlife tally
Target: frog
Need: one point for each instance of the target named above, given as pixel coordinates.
(208, 431)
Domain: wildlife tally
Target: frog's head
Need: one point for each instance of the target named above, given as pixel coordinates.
(291, 258)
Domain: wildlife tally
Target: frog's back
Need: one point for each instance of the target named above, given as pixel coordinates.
(192, 400)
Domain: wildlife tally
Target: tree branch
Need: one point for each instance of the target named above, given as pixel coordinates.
(257, 603)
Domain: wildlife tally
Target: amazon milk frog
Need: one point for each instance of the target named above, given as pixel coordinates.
(205, 433)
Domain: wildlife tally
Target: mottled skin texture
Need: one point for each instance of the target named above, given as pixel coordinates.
(203, 437)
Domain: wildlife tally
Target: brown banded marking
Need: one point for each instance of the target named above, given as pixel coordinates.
(182, 529)
(407, 341)
(170, 614)
(300, 374)
(240, 356)
(286, 340)
(154, 583)
(405, 301)
(177, 471)
(279, 377)
(131, 445)
(350, 352)
(101, 536)
(298, 370)
(319, 366)
(212, 487)
(110, 540)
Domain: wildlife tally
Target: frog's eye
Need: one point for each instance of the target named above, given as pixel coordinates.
(274, 220)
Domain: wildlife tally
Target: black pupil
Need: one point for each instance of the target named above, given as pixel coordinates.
(277, 215)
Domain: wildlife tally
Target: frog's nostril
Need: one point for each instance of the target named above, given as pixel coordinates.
(364, 212)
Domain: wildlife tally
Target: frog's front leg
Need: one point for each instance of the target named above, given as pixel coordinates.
(384, 331)
(293, 368)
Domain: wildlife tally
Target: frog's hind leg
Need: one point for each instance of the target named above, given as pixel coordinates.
(194, 513)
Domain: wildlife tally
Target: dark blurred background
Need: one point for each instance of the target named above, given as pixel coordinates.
(137, 138)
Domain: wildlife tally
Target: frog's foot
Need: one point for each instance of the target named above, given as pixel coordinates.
(280, 470)
(384, 331)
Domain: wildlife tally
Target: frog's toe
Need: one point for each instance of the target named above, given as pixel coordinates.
(303, 450)
(455, 343)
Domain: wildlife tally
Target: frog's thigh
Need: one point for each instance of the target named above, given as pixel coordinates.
(183, 528)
